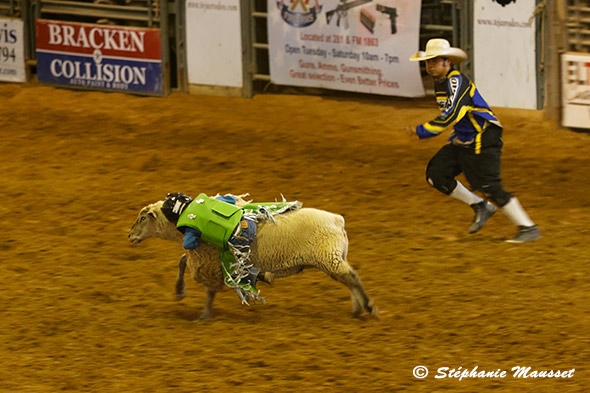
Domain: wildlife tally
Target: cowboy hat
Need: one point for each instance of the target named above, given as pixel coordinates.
(440, 47)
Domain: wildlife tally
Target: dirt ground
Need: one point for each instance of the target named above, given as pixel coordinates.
(82, 309)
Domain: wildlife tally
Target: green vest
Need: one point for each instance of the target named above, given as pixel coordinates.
(215, 219)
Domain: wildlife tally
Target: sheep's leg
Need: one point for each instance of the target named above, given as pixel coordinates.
(180, 294)
(360, 299)
(208, 309)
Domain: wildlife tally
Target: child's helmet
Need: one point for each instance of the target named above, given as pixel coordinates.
(174, 205)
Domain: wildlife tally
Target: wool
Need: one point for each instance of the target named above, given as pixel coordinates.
(297, 240)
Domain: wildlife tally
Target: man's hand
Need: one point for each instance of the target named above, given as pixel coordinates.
(411, 131)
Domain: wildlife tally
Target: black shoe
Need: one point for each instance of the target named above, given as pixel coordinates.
(483, 211)
(526, 234)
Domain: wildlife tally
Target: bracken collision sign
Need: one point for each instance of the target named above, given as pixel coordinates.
(99, 57)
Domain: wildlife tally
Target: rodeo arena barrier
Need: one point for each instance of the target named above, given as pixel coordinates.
(539, 49)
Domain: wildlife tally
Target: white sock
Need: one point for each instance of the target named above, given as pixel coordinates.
(516, 213)
(463, 194)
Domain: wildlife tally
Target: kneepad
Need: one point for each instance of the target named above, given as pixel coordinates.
(497, 194)
(444, 185)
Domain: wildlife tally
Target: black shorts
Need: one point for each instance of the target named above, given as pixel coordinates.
(481, 170)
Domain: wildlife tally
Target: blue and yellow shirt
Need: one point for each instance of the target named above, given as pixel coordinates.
(463, 110)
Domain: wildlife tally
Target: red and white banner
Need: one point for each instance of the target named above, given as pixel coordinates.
(97, 56)
(354, 45)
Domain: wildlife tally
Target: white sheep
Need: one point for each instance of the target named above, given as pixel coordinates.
(305, 238)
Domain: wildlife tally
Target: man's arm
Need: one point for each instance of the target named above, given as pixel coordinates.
(457, 106)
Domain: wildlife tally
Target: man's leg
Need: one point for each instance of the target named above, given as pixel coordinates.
(463, 194)
(483, 173)
(511, 207)
(527, 230)
(440, 174)
(443, 168)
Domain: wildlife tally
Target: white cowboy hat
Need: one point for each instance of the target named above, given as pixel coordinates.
(440, 47)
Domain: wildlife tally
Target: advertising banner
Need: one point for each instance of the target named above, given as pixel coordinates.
(354, 45)
(99, 57)
(214, 42)
(575, 90)
(504, 63)
(12, 53)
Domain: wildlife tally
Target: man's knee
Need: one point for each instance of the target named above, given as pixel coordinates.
(441, 183)
(497, 194)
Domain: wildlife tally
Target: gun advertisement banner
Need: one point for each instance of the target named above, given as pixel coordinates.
(12, 53)
(575, 90)
(504, 64)
(353, 45)
(99, 57)
(214, 42)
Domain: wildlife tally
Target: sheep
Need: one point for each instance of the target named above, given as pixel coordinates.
(297, 240)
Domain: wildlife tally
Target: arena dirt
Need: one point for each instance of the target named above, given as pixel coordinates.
(82, 309)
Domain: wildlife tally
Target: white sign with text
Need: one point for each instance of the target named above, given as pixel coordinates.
(575, 82)
(355, 45)
(505, 69)
(214, 42)
(12, 53)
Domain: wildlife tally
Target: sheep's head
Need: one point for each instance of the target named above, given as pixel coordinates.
(151, 222)
(146, 225)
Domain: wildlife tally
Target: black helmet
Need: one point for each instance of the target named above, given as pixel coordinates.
(174, 205)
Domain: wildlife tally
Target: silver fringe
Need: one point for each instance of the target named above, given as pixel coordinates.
(242, 254)
(239, 269)
(267, 213)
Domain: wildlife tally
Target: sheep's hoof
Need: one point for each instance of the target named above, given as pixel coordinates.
(268, 277)
(357, 312)
(206, 314)
(178, 296)
(375, 312)
(373, 309)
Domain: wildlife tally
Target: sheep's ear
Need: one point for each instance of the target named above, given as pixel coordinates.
(152, 214)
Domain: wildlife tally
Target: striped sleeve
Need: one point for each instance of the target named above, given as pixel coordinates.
(454, 109)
